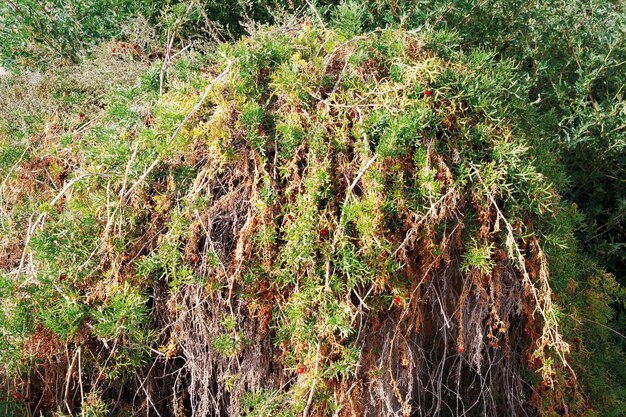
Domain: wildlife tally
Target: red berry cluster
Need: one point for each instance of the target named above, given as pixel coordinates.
(125, 48)
(288, 219)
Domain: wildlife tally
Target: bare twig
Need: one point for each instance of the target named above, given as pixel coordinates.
(319, 18)
(309, 402)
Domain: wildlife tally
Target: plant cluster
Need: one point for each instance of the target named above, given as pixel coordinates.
(34, 31)
(571, 53)
(305, 222)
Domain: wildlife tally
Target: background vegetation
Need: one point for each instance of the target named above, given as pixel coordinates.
(104, 174)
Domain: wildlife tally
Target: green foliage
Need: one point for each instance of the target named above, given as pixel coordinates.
(12, 408)
(567, 60)
(70, 241)
(64, 316)
(15, 322)
(123, 314)
(94, 406)
(31, 31)
(227, 345)
(348, 18)
(167, 261)
(402, 131)
(479, 257)
(465, 106)
(263, 402)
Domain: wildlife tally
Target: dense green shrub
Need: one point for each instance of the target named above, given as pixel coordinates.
(321, 190)
(139, 268)
(573, 53)
(33, 31)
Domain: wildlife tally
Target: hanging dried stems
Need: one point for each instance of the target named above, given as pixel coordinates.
(537, 287)
(454, 342)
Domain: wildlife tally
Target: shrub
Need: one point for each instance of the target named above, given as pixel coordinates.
(31, 31)
(328, 222)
